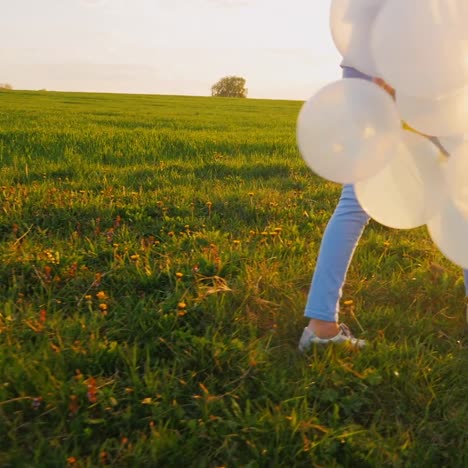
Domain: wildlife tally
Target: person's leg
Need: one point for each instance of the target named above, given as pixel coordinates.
(338, 244)
(336, 251)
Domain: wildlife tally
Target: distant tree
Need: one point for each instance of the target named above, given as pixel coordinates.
(6, 86)
(230, 86)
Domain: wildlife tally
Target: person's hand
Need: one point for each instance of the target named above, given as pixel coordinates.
(385, 86)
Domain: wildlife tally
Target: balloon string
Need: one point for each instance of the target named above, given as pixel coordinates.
(434, 140)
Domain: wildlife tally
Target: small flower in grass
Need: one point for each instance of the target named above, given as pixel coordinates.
(134, 257)
(170, 233)
(101, 295)
(182, 309)
(236, 242)
(92, 390)
(147, 401)
(264, 233)
(179, 275)
(97, 280)
(73, 405)
(42, 316)
(278, 230)
(103, 458)
(348, 307)
(104, 309)
(71, 460)
(251, 194)
(252, 233)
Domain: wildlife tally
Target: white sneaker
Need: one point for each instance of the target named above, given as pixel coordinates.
(344, 336)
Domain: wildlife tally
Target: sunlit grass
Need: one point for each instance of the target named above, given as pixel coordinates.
(156, 257)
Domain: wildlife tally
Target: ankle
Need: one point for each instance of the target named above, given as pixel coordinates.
(323, 329)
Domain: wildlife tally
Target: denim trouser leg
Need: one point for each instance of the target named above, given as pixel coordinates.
(338, 244)
(336, 251)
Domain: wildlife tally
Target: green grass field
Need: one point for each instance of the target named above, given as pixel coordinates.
(156, 254)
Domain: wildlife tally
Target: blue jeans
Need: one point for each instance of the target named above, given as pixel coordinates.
(337, 248)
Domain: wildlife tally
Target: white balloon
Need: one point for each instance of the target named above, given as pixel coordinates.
(348, 130)
(403, 193)
(440, 117)
(350, 23)
(420, 46)
(457, 178)
(449, 231)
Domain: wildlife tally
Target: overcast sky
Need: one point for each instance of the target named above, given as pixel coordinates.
(282, 48)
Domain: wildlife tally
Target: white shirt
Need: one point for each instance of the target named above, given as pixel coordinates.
(351, 26)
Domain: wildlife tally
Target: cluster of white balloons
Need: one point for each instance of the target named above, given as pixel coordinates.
(351, 131)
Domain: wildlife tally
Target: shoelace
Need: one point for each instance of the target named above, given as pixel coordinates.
(345, 330)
